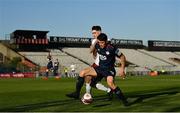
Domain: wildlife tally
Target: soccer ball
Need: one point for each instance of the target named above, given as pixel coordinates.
(87, 98)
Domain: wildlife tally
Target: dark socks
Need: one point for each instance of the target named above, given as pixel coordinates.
(79, 84)
(119, 94)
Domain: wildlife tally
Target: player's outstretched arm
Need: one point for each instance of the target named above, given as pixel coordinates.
(92, 47)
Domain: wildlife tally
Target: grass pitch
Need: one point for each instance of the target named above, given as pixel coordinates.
(147, 94)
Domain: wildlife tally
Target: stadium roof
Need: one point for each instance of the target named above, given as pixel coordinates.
(30, 32)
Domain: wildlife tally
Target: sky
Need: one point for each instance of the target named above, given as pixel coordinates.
(120, 19)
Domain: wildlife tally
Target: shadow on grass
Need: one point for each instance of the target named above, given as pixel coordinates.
(139, 98)
(101, 98)
(175, 109)
(101, 105)
(30, 107)
(144, 96)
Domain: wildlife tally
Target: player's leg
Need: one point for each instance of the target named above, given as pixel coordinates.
(88, 82)
(116, 89)
(95, 82)
(55, 72)
(47, 73)
(102, 87)
(80, 81)
(86, 73)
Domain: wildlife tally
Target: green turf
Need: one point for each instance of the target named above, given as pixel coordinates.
(160, 94)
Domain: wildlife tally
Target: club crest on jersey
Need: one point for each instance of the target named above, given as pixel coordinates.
(101, 57)
(107, 52)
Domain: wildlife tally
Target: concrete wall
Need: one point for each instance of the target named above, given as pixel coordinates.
(9, 53)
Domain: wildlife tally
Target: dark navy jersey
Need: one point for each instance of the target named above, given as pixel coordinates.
(56, 64)
(50, 64)
(107, 55)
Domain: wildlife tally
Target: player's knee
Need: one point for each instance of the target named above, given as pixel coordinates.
(82, 73)
(110, 80)
(110, 83)
(88, 79)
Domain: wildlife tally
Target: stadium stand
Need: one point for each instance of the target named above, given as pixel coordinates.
(9, 54)
(36, 45)
(65, 60)
(39, 57)
(143, 60)
(138, 57)
(162, 55)
(177, 53)
(81, 53)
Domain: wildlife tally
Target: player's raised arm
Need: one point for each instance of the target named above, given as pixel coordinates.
(92, 47)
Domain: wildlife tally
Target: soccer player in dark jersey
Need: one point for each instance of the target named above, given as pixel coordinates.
(49, 67)
(94, 81)
(55, 69)
(107, 54)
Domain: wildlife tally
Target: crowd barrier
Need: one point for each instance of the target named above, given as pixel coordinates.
(18, 75)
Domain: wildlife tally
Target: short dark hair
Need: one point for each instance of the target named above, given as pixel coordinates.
(102, 37)
(97, 28)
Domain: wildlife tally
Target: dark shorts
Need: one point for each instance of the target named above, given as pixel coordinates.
(105, 72)
(95, 80)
